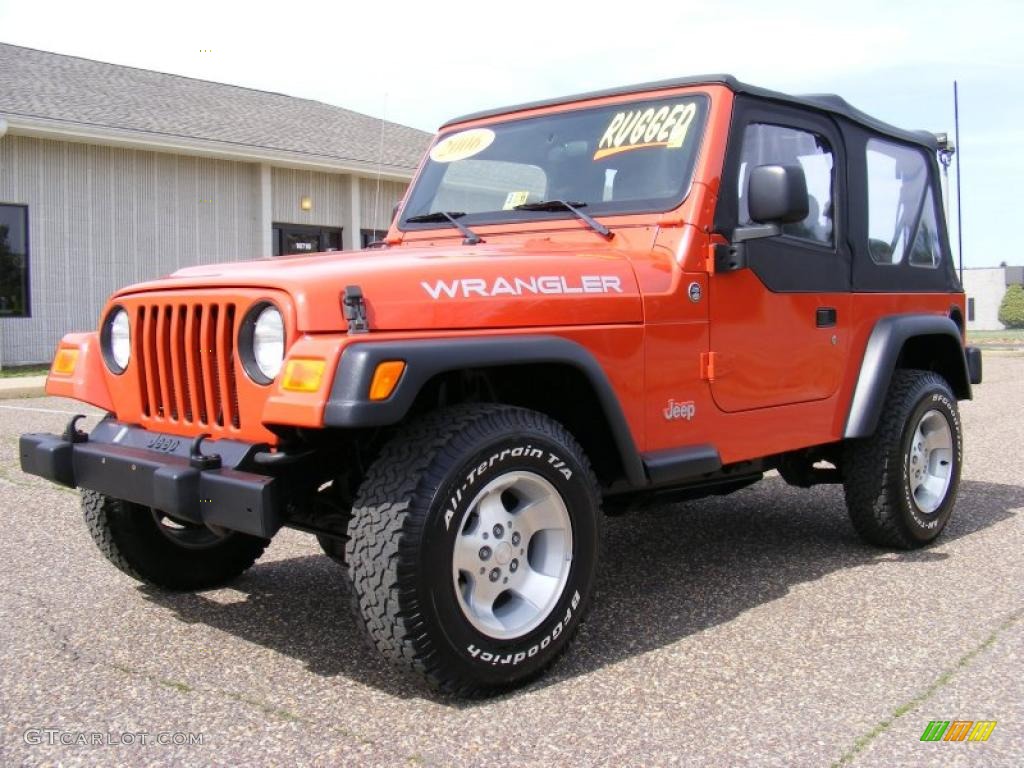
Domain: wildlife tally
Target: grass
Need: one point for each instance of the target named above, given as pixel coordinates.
(23, 370)
(1009, 335)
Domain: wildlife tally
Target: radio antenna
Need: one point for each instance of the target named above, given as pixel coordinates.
(959, 212)
(380, 164)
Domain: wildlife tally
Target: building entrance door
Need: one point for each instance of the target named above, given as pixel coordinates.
(302, 238)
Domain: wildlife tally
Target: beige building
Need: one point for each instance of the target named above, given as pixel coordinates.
(985, 288)
(110, 175)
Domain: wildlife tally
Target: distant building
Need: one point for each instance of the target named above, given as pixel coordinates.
(985, 288)
(110, 175)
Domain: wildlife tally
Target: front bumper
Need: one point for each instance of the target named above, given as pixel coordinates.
(161, 471)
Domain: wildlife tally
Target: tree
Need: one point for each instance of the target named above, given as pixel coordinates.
(1011, 311)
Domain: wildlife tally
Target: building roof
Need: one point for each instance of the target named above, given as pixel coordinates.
(38, 88)
(824, 101)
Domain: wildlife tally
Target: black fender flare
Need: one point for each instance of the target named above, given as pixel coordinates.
(881, 354)
(349, 405)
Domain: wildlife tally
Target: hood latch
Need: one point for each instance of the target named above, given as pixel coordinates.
(354, 308)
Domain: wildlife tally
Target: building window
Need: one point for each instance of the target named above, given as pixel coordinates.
(301, 238)
(368, 236)
(14, 261)
(970, 310)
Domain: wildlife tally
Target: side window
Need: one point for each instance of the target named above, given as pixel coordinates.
(926, 252)
(765, 144)
(901, 206)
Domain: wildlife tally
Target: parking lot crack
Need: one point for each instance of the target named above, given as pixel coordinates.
(862, 742)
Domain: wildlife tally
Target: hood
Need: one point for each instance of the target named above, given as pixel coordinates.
(409, 288)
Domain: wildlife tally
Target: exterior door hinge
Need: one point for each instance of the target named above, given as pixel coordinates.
(709, 258)
(728, 257)
(707, 366)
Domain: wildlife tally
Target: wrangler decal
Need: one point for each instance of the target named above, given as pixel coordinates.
(519, 286)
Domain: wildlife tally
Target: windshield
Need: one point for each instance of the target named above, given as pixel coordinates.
(622, 158)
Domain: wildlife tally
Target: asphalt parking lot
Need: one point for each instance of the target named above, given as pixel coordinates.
(750, 630)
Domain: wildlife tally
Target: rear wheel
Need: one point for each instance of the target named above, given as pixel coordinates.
(158, 549)
(901, 483)
(473, 546)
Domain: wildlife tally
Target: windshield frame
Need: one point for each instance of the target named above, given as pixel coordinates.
(485, 219)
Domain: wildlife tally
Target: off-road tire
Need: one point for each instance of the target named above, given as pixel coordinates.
(877, 470)
(128, 536)
(401, 546)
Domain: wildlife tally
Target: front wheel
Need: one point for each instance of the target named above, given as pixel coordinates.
(474, 546)
(158, 549)
(901, 483)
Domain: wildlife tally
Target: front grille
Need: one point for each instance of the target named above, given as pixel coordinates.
(187, 363)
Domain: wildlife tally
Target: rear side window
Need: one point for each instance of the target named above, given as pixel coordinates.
(902, 220)
(765, 144)
(926, 251)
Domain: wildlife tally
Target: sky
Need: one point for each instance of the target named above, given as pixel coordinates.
(421, 63)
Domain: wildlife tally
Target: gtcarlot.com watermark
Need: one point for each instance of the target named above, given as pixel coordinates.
(57, 737)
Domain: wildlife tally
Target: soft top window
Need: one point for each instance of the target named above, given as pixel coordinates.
(901, 207)
(623, 158)
(765, 144)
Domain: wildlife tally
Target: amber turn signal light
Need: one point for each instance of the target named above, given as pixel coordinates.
(303, 375)
(385, 378)
(64, 362)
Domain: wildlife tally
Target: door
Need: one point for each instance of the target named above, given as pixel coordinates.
(778, 327)
(301, 238)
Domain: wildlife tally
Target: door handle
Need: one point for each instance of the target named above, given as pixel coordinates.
(825, 317)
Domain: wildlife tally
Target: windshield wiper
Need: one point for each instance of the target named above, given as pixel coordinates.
(574, 208)
(472, 238)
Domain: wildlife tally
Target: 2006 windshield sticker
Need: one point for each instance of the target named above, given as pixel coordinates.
(664, 126)
(461, 145)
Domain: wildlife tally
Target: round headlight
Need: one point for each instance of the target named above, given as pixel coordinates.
(262, 343)
(117, 340)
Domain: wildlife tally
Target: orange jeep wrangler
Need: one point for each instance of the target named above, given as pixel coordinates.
(653, 292)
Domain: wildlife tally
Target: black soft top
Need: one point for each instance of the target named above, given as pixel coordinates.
(826, 102)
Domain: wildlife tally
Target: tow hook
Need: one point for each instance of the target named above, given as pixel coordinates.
(198, 460)
(72, 433)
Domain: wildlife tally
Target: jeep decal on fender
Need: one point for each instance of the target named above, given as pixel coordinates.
(518, 286)
(676, 410)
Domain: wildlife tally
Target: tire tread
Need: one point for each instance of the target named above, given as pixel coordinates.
(872, 467)
(387, 527)
(123, 535)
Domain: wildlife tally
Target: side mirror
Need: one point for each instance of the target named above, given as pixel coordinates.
(777, 194)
